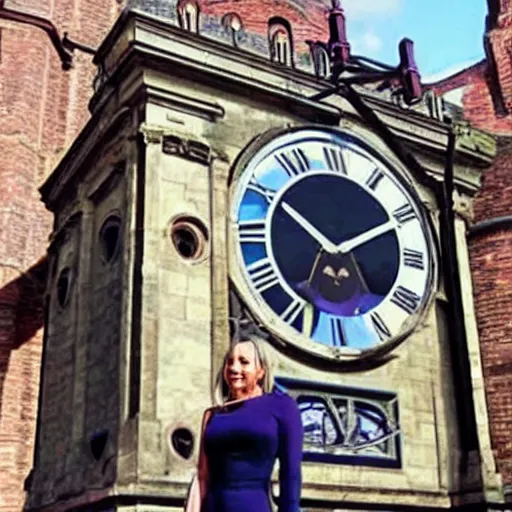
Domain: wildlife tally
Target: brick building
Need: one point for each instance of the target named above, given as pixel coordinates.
(484, 92)
(44, 110)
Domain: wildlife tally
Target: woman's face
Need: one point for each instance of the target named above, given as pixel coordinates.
(243, 372)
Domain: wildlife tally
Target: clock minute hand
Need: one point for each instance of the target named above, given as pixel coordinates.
(324, 242)
(361, 239)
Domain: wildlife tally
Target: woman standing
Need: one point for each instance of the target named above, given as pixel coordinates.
(243, 438)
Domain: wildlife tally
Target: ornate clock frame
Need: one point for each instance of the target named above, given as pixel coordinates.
(257, 306)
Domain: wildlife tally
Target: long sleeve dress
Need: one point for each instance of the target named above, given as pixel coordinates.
(241, 446)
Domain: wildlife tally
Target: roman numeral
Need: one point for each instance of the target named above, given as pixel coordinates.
(380, 326)
(414, 259)
(263, 275)
(406, 299)
(374, 178)
(267, 193)
(294, 162)
(294, 309)
(337, 335)
(404, 214)
(334, 159)
(251, 231)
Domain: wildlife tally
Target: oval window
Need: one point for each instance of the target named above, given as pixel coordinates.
(110, 238)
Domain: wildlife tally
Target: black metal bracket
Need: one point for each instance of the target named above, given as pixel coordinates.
(71, 45)
(64, 47)
(346, 69)
(45, 25)
(444, 193)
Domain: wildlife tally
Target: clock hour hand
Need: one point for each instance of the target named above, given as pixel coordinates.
(325, 243)
(349, 245)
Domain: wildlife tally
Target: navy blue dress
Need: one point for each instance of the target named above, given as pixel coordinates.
(242, 444)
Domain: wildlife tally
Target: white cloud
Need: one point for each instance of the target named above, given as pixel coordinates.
(445, 73)
(360, 9)
(368, 43)
(371, 42)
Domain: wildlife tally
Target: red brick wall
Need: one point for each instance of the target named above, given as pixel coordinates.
(491, 262)
(491, 253)
(477, 98)
(310, 25)
(500, 45)
(42, 109)
(23, 226)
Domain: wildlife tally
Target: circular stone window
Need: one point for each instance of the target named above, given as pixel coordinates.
(110, 238)
(64, 287)
(182, 440)
(189, 237)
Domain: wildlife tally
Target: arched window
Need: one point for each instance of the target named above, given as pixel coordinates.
(321, 60)
(280, 40)
(233, 24)
(188, 14)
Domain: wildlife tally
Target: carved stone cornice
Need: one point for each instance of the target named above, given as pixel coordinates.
(178, 143)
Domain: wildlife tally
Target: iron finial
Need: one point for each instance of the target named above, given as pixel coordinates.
(339, 48)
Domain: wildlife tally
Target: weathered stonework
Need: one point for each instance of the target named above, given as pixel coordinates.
(136, 349)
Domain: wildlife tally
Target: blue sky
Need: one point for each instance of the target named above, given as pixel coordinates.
(447, 34)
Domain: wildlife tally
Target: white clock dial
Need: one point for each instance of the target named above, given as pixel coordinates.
(332, 247)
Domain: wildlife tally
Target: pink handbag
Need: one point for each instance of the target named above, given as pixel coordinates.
(193, 501)
(195, 494)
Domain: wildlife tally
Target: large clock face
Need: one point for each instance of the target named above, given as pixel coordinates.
(333, 250)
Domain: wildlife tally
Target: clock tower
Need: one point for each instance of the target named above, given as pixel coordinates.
(209, 188)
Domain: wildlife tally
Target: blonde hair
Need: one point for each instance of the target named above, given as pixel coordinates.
(221, 393)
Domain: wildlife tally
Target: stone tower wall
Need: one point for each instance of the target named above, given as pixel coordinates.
(43, 109)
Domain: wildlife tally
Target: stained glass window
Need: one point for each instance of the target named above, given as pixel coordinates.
(347, 425)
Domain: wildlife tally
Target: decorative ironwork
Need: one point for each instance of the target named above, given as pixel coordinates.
(347, 425)
(346, 69)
